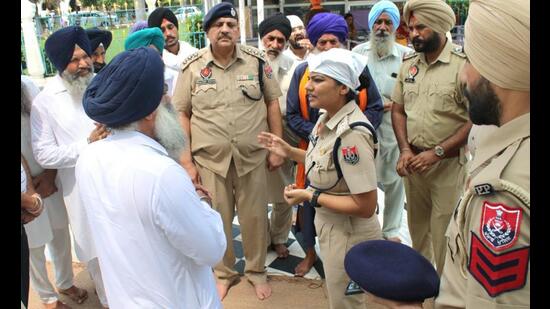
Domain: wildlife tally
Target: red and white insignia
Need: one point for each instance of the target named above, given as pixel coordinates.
(413, 70)
(498, 273)
(500, 225)
(268, 71)
(350, 154)
(206, 73)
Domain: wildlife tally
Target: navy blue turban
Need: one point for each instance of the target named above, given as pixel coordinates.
(60, 46)
(98, 36)
(275, 22)
(391, 270)
(324, 23)
(222, 9)
(155, 19)
(129, 88)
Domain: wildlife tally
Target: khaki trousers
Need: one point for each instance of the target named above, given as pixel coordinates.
(281, 215)
(248, 195)
(431, 199)
(337, 235)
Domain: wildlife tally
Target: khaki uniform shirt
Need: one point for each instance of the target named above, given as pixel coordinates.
(488, 255)
(434, 103)
(224, 122)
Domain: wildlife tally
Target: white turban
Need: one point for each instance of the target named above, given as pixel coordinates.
(339, 64)
(295, 21)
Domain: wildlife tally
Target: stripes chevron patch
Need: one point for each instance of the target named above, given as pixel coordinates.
(498, 273)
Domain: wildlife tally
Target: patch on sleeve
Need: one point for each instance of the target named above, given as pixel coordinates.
(350, 155)
(500, 225)
(498, 273)
(268, 71)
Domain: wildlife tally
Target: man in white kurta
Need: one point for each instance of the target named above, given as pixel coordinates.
(156, 239)
(60, 130)
(384, 60)
(51, 228)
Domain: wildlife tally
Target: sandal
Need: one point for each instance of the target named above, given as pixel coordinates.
(78, 297)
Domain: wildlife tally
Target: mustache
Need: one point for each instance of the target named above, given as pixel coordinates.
(417, 40)
(273, 51)
(382, 33)
(225, 36)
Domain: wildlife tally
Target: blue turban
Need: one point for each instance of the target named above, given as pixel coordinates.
(324, 23)
(127, 89)
(384, 6)
(145, 37)
(60, 46)
(142, 24)
(222, 9)
(391, 270)
(98, 36)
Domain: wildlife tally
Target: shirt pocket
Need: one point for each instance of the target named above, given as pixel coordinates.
(410, 95)
(250, 91)
(443, 98)
(322, 173)
(206, 96)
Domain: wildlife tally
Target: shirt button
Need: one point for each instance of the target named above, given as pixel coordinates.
(234, 140)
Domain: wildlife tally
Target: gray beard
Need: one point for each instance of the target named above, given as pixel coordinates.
(382, 46)
(168, 131)
(76, 85)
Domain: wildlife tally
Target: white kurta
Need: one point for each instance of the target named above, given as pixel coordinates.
(59, 129)
(156, 241)
(173, 63)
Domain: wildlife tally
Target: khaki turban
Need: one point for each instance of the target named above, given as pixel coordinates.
(436, 14)
(496, 40)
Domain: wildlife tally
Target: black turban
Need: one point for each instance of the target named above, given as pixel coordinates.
(98, 36)
(155, 19)
(222, 9)
(129, 88)
(391, 270)
(60, 46)
(275, 22)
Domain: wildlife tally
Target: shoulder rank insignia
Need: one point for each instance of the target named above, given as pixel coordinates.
(409, 55)
(500, 225)
(459, 51)
(350, 155)
(194, 56)
(253, 51)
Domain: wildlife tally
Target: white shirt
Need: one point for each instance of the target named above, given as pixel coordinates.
(288, 52)
(173, 62)
(156, 241)
(59, 132)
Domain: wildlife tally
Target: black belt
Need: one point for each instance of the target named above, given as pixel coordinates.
(418, 150)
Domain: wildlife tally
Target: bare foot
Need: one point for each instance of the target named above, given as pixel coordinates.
(394, 239)
(263, 290)
(75, 293)
(222, 289)
(57, 305)
(305, 266)
(281, 250)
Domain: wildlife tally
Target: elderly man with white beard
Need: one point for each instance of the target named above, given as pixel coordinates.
(60, 131)
(157, 237)
(274, 32)
(384, 60)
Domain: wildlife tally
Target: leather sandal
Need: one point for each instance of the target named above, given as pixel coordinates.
(78, 297)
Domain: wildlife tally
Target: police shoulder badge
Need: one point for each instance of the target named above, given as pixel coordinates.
(413, 71)
(268, 71)
(350, 155)
(500, 225)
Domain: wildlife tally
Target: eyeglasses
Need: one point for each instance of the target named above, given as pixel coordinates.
(385, 21)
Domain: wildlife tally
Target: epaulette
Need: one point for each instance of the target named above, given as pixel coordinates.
(459, 51)
(194, 56)
(409, 55)
(253, 51)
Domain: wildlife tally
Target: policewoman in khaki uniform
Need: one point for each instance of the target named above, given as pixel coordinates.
(488, 257)
(431, 125)
(345, 203)
(226, 95)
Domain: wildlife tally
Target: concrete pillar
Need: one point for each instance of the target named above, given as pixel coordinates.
(139, 6)
(35, 66)
(150, 6)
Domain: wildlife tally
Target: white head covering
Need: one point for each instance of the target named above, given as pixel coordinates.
(295, 21)
(339, 64)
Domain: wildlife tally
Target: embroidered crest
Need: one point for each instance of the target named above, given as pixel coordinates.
(498, 273)
(413, 71)
(500, 225)
(206, 73)
(350, 155)
(268, 71)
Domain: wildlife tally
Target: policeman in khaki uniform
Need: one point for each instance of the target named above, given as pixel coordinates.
(431, 125)
(224, 104)
(344, 137)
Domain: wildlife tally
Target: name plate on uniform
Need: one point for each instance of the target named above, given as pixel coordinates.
(206, 81)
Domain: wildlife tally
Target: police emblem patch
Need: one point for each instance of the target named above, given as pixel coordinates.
(350, 154)
(268, 71)
(500, 225)
(413, 71)
(206, 73)
(233, 13)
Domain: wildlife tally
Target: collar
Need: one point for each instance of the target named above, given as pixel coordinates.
(209, 56)
(444, 56)
(347, 109)
(136, 137)
(501, 138)
(56, 85)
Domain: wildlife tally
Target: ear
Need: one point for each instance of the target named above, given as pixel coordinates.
(343, 90)
(151, 116)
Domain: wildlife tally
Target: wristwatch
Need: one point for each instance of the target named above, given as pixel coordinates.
(313, 201)
(439, 151)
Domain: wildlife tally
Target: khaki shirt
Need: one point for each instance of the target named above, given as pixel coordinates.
(359, 173)
(224, 122)
(488, 255)
(434, 103)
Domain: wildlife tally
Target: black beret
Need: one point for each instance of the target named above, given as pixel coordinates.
(156, 17)
(391, 270)
(60, 45)
(275, 22)
(98, 36)
(127, 89)
(222, 9)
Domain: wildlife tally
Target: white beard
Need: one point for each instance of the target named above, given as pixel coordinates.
(76, 85)
(382, 45)
(168, 131)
